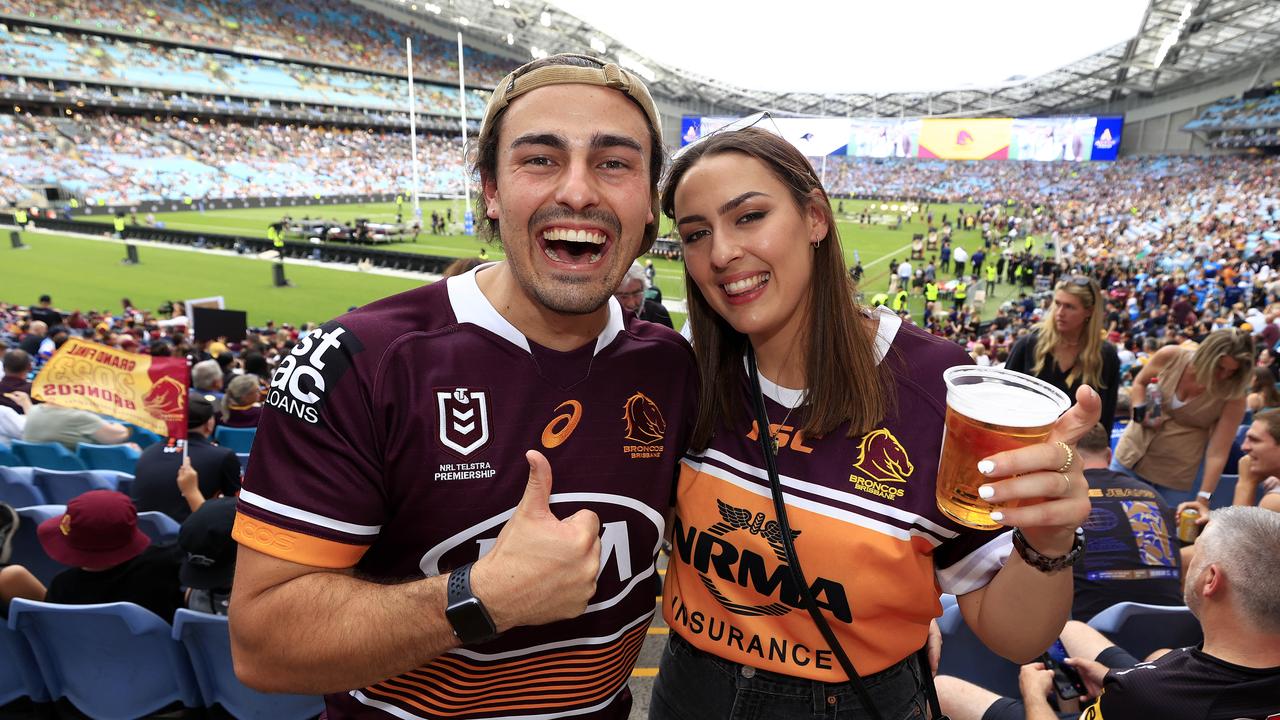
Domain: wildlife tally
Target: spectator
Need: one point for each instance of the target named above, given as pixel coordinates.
(13, 423)
(242, 405)
(1067, 349)
(1260, 466)
(1200, 411)
(206, 377)
(49, 422)
(17, 366)
(210, 561)
(36, 333)
(1262, 391)
(630, 295)
(111, 559)
(45, 313)
(217, 469)
(1132, 547)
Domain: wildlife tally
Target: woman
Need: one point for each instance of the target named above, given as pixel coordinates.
(1067, 348)
(1200, 412)
(242, 406)
(1262, 391)
(855, 403)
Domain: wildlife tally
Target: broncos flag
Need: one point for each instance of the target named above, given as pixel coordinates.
(150, 392)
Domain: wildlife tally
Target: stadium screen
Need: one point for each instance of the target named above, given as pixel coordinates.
(1054, 138)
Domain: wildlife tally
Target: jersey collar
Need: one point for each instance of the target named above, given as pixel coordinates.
(471, 306)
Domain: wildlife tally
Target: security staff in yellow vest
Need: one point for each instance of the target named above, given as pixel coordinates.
(961, 294)
(75, 203)
(1030, 243)
(900, 301)
(20, 217)
(992, 276)
(931, 291)
(119, 225)
(879, 299)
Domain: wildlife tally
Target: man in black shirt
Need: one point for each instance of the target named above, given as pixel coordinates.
(111, 560)
(1131, 546)
(45, 313)
(155, 486)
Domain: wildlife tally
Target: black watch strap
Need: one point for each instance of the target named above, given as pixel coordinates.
(1044, 563)
(466, 614)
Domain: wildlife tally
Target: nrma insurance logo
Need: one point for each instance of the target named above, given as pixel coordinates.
(630, 535)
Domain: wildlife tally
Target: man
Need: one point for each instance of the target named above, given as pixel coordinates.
(421, 432)
(904, 275)
(17, 365)
(961, 258)
(206, 378)
(631, 296)
(48, 422)
(45, 313)
(1130, 538)
(37, 331)
(1234, 674)
(155, 484)
(111, 559)
(1259, 466)
(210, 562)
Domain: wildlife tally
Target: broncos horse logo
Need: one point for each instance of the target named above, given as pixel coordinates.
(732, 518)
(644, 421)
(882, 459)
(166, 399)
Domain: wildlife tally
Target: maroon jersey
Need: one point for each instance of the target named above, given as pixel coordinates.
(864, 519)
(393, 441)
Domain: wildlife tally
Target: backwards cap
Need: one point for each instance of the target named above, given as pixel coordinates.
(608, 75)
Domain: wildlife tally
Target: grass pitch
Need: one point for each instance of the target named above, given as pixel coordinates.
(86, 274)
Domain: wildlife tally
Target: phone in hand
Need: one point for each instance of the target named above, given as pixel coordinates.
(1067, 683)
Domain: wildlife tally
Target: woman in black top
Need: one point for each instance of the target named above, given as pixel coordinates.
(1067, 349)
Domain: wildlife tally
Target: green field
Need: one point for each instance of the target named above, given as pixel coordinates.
(86, 274)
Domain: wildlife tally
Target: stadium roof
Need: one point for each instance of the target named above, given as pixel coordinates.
(1177, 43)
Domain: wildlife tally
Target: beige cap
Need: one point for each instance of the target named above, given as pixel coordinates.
(608, 74)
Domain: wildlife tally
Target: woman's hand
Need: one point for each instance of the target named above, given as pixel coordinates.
(1046, 504)
(1201, 505)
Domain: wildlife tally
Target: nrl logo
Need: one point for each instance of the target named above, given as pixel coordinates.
(463, 420)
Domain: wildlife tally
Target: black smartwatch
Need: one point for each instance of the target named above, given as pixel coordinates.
(471, 622)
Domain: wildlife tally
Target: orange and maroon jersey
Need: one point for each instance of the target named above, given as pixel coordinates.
(874, 547)
(393, 442)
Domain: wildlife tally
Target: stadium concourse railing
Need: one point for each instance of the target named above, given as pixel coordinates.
(325, 253)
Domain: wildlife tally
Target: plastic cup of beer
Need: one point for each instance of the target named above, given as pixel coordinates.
(989, 410)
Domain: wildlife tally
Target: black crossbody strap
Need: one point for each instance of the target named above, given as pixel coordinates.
(797, 574)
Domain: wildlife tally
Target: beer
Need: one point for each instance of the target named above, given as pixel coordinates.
(989, 410)
(1187, 527)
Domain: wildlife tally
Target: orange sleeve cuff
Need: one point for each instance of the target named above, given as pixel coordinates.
(294, 546)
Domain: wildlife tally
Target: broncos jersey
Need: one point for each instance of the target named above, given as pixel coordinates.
(393, 442)
(874, 547)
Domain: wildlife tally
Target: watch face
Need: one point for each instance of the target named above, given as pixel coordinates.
(470, 621)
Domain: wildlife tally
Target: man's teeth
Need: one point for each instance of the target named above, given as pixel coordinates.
(551, 253)
(567, 235)
(737, 287)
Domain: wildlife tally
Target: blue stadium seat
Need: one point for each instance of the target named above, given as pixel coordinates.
(1237, 451)
(18, 489)
(238, 439)
(1141, 629)
(8, 458)
(208, 644)
(1225, 492)
(27, 550)
(964, 656)
(114, 661)
(244, 461)
(60, 487)
(120, 458)
(18, 674)
(142, 437)
(161, 528)
(122, 481)
(51, 456)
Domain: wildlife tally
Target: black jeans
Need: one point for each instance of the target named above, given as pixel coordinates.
(694, 685)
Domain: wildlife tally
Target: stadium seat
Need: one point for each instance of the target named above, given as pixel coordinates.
(114, 661)
(161, 528)
(1140, 629)
(7, 457)
(18, 488)
(27, 550)
(19, 676)
(142, 437)
(123, 481)
(964, 656)
(121, 458)
(208, 644)
(238, 439)
(1225, 492)
(244, 461)
(1237, 452)
(61, 486)
(51, 456)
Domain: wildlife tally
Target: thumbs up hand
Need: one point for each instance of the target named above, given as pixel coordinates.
(541, 568)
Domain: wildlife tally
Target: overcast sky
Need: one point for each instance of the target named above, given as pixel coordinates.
(863, 46)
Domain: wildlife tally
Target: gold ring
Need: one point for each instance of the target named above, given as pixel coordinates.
(1067, 490)
(1071, 457)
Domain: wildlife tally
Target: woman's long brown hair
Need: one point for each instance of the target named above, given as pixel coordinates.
(844, 381)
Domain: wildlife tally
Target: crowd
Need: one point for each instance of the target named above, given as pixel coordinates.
(83, 57)
(325, 30)
(122, 159)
